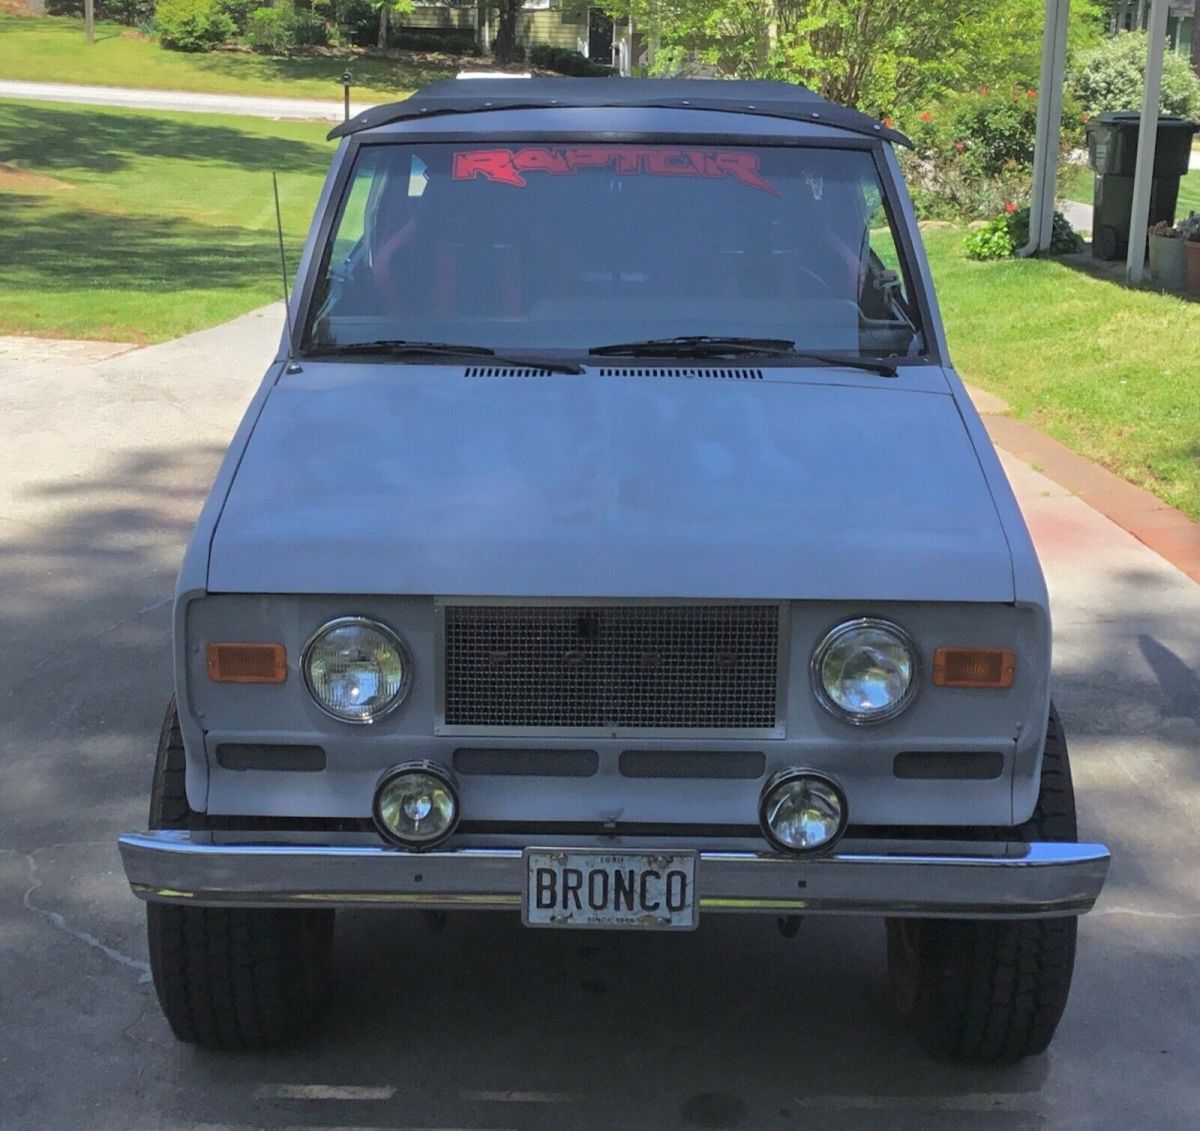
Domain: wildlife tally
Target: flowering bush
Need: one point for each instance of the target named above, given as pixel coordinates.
(974, 152)
(1112, 76)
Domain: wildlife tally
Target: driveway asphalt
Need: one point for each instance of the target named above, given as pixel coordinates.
(486, 1026)
(331, 110)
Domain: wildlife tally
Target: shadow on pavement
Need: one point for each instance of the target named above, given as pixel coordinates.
(489, 1025)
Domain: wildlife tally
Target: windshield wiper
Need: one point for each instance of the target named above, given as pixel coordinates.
(698, 345)
(706, 346)
(399, 347)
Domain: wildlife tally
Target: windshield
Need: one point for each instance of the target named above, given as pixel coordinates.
(567, 248)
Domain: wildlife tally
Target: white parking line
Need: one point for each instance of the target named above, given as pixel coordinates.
(518, 1097)
(321, 1092)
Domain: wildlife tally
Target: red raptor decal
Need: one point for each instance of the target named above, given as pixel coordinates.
(509, 166)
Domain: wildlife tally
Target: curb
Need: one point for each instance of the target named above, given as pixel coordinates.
(1165, 530)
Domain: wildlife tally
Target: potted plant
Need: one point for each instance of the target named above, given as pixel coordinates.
(1168, 263)
(1191, 246)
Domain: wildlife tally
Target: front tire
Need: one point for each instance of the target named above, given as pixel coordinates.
(231, 978)
(987, 992)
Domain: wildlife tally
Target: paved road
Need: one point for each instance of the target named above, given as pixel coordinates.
(1078, 215)
(487, 1026)
(331, 110)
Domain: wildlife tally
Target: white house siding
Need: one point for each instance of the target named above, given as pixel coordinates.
(539, 22)
(554, 26)
(439, 15)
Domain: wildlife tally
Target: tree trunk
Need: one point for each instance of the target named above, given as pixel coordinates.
(767, 40)
(506, 31)
(1196, 40)
(384, 10)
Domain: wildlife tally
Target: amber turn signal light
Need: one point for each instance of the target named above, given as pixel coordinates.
(247, 663)
(974, 667)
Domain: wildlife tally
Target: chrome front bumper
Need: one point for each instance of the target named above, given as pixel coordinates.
(967, 879)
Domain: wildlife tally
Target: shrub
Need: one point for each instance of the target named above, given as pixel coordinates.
(992, 241)
(192, 25)
(357, 22)
(974, 152)
(1000, 238)
(132, 13)
(565, 61)
(448, 40)
(1063, 238)
(272, 31)
(239, 11)
(998, 132)
(1111, 76)
(309, 30)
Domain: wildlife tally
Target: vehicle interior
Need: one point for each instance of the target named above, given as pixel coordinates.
(605, 253)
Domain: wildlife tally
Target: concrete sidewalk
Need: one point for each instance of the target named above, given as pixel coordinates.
(1165, 530)
(299, 109)
(1078, 215)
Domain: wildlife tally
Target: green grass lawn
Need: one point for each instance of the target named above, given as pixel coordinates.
(1108, 371)
(140, 227)
(43, 49)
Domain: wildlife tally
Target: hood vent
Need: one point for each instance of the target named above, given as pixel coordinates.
(685, 371)
(506, 371)
(625, 371)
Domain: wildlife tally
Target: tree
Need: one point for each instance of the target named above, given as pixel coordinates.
(386, 8)
(505, 43)
(874, 54)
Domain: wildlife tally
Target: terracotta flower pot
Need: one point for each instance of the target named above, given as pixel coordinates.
(1192, 251)
(1168, 262)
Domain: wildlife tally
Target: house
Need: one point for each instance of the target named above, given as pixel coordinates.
(1182, 30)
(572, 24)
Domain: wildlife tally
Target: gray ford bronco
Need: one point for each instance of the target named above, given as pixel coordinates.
(612, 544)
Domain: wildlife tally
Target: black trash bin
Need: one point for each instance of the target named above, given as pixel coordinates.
(1112, 153)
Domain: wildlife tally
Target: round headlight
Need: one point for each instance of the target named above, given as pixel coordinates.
(357, 670)
(865, 671)
(802, 810)
(416, 804)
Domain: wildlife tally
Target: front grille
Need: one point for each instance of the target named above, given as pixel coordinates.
(611, 667)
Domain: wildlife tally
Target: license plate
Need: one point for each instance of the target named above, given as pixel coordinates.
(629, 890)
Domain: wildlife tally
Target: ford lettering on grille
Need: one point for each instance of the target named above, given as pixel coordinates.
(509, 667)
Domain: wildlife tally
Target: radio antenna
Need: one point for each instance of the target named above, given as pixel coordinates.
(292, 367)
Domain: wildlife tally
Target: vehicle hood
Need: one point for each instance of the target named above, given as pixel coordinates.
(365, 478)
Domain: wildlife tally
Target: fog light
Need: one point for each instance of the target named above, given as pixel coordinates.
(802, 810)
(416, 805)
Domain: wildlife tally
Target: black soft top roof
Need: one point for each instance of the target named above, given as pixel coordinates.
(765, 99)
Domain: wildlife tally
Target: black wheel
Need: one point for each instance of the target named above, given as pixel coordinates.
(982, 991)
(231, 977)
